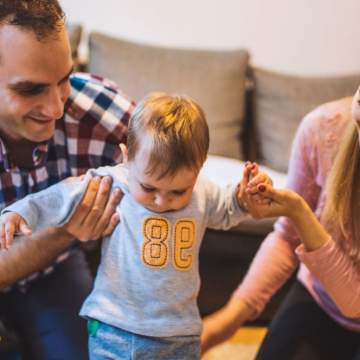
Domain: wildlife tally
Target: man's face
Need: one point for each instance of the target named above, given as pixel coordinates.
(34, 83)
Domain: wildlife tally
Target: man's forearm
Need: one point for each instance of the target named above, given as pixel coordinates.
(31, 254)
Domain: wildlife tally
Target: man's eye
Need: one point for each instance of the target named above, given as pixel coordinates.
(179, 192)
(147, 188)
(30, 91)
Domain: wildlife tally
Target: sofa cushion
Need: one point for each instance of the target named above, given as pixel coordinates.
(216, 79)
(281, 101)
(223, 171)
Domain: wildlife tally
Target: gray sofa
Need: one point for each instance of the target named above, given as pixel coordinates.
(252, 113)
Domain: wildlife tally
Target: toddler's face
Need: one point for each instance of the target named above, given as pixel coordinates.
(160, 195)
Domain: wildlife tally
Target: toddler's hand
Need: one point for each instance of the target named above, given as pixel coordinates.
(256, 179)
(11, 224)
(249, 196)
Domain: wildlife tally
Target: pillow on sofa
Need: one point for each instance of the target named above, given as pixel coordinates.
(216, 79)
(223, 171)
(281, 101)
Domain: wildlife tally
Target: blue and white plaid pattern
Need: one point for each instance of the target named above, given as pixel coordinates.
(87, 136)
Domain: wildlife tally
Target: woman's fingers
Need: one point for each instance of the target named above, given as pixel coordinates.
(268, 191)
(257, 180)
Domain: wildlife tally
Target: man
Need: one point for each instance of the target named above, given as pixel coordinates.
(52, 125)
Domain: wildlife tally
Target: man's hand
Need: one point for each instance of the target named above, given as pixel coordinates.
(11, 224)
(96, 215)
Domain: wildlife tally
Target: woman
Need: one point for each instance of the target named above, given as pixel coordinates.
(320, 318)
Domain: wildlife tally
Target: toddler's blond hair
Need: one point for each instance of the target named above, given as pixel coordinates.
(175, 128)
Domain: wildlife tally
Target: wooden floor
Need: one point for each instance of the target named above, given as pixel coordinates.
(249, 335)
(242, 346)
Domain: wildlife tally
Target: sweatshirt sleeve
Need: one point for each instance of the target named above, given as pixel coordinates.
(338, 274)
(276, 260)
(55, 205)
(222, 208)
(52, 206)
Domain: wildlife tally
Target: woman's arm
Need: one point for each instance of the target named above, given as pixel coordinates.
(229, 318)
(311, 232)
(276, 260)
(334, 268)
(283, 202)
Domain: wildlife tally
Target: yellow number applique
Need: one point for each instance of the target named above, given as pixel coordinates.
(155, 248)
(184, 237)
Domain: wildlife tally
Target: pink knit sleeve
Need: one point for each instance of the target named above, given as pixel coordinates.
(276, 260)
(338, 275)
(272, 266)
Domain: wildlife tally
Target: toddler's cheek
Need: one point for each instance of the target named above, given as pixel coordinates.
(140, 196)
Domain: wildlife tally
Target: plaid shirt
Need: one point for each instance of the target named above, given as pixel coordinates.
(87, 136)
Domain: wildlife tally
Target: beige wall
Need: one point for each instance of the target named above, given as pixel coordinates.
(296, 36)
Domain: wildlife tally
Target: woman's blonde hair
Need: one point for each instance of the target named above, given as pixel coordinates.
(342, 207)
(174, 127)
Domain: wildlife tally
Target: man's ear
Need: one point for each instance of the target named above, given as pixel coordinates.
(124, 152)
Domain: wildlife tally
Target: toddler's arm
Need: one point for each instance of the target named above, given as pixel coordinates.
(55, 205)
(47, 208)
(226, 207)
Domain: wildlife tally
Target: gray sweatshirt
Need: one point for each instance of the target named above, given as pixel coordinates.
(148, 278)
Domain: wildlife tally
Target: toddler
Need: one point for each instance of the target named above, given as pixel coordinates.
(143, 304)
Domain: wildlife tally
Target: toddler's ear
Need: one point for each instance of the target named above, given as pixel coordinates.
(124, 152)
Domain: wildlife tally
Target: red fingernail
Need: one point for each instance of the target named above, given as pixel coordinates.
(262, 188)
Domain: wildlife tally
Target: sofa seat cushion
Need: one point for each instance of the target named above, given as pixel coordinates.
(223, 171)
(216, 79)
(281, 101)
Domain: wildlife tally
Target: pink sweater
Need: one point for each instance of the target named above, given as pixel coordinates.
(328, 273)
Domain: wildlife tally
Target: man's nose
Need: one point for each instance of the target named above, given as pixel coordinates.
(54, 104)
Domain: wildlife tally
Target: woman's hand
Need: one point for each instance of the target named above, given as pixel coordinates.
(273, 202)
(283, 202)
(248, 193)
(223, 324)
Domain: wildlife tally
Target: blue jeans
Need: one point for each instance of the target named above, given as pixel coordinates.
(45, 316)
(108, 342)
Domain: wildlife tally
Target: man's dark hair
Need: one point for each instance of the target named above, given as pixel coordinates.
(44, 17)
